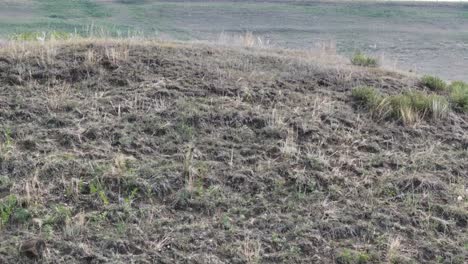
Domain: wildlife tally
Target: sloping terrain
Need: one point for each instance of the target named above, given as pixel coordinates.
(121, 152)
(424, 37)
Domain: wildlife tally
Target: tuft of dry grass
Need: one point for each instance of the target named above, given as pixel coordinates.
(251, 251)
(288, 146)
(116, 54)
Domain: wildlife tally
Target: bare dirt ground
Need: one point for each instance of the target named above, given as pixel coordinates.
(178, 153)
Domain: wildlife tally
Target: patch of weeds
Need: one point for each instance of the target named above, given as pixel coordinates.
(7, 208)
(96, 188)
(99, 217)
(451, 259)
(434, 83)
(459, 95)
(121, 227)
(21, 215)
(7, 146)
(11, 211)
(361, 59)
(48, 231)
(348, 256)
(59, 216)
(131, 197)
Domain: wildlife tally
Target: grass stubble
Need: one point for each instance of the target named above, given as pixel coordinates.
(139, 150)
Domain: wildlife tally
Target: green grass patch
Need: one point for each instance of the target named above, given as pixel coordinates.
(367, 95)
(459, 95)
(434, 83)
(7, 209)
(411, 106)
(408, 106)
(361, 59)
(348, 256)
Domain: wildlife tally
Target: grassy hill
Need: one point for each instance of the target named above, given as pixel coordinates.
(161, 152)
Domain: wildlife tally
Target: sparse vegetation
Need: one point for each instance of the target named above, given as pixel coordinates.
(352, 257)
(122, 151)
(361, 59)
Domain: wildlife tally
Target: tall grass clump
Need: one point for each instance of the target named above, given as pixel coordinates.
(361, 59)
(376, 103)
(408, 106)
(459, 95)
(439, 107)
(412, 106)
(434, 83)
(367, 95)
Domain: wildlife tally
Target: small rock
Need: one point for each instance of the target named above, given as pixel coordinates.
(33, 248)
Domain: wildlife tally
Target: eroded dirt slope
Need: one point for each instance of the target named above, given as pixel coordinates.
(177, 153)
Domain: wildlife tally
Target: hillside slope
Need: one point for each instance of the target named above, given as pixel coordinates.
(180, 153)
(423, 37)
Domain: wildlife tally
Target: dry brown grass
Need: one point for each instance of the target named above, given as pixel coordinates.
(123, 151)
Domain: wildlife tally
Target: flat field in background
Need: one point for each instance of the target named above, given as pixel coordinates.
(426, 38)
